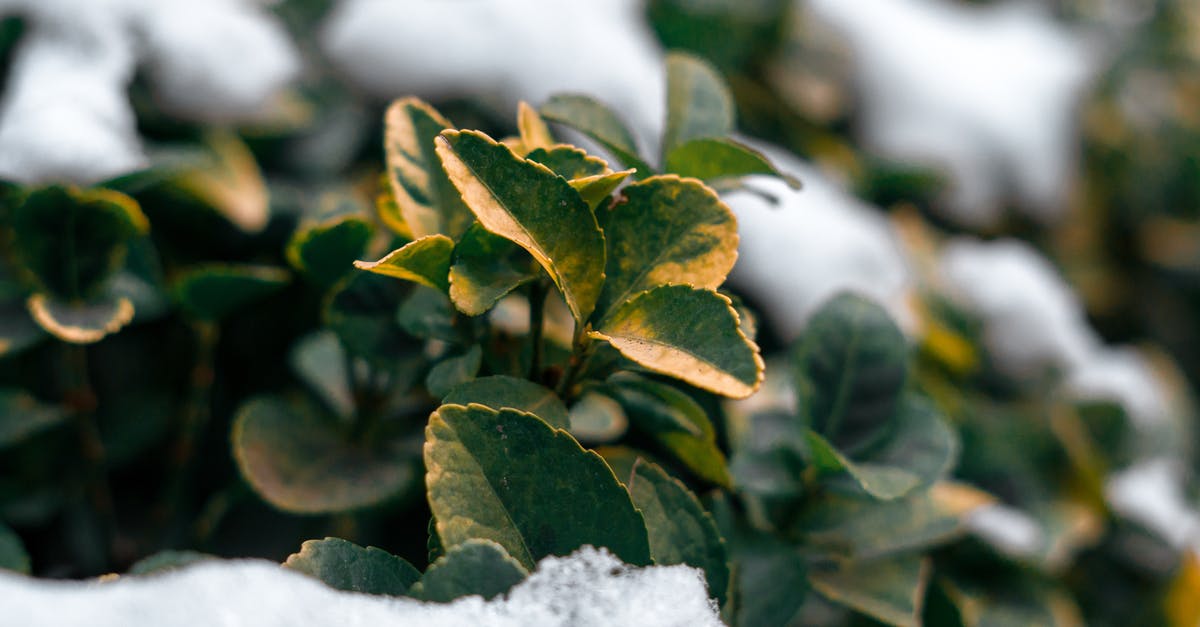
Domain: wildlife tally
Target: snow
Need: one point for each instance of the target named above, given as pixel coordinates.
(588, 588)
(1122, 375)
(985, 94)
(502, 52)
(1033, 322)
(65, 116)
(1010, 530)
(1151, 494)
(815, 242)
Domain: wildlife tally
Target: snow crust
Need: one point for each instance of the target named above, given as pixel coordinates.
(985, 94)
(813, 243)
(64, 114)
(590, 588)
(503, 52)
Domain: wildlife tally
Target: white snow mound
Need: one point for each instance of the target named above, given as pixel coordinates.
(590, 588)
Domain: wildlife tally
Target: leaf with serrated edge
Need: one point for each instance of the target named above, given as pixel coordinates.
(300, 462)
(698, 102)
(500, 391)
(527, 203)
(343, 565)
(485, 268)
(425, 261)
(534, 132)
(666, 230)
(476, 567)
(324, 251)
(596, 120)
(569, 161)
(425, 197)
(688, 333)
(680, 530)
(508, 477)
(81, 323)
(595, 189)
(715, 158)
(891, 590)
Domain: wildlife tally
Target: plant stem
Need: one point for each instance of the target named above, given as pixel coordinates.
(196, 416)
(537, 324)
(81, 398)
(581, 354)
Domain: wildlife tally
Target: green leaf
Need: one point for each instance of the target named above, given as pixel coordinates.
(690, 334)
(680, 530)
(301, 462)
(320, 361)
(450, 373)
(569, 162)
(427, 200)
(425, 261)
(70, 242)
(428, 314)
(501, 391)
(881, 482)
(18, 331)
(343, 565)
(166, 561)
(528, 204)
(1014, 605)
(80, 322)
(890, 590)
(23, 416)
(486, 267)
(851, 366)
(213, 291)
(595, 189)
(675, 422)
(772, 583)
(12, 552)
(509, 477)
(475, 567)
(598, 418)
(324, 252)
(859, 528)
(715, 158)
(666, 231)
(698, 102)
(596, 120)
(535, 135)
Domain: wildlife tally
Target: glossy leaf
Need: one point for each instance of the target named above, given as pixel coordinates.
(343, 565)
(425, 261)
(301, 462)
(475, 567)
(569, 162)
(213, 291)
(716, 158)
(485, 268)
(23, 416)
(680, 530)
(698, 102)
(501, 391)
(325, 252)
(69, 242)
(454, 371)
(881, 482)
(891, 591)
(851, 366)
(666, 231)
(428, 314)
(597, 418)
(80, 322)
(596, 120)
(528, 204)
(425, 197)
(595, 189)
(12, 552)
(688, 333)
(676, 422)
(509, 477)
(535, 135)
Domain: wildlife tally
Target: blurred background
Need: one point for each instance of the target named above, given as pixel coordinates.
(1018, 181)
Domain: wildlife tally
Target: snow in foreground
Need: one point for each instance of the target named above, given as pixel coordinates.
(589, 588)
